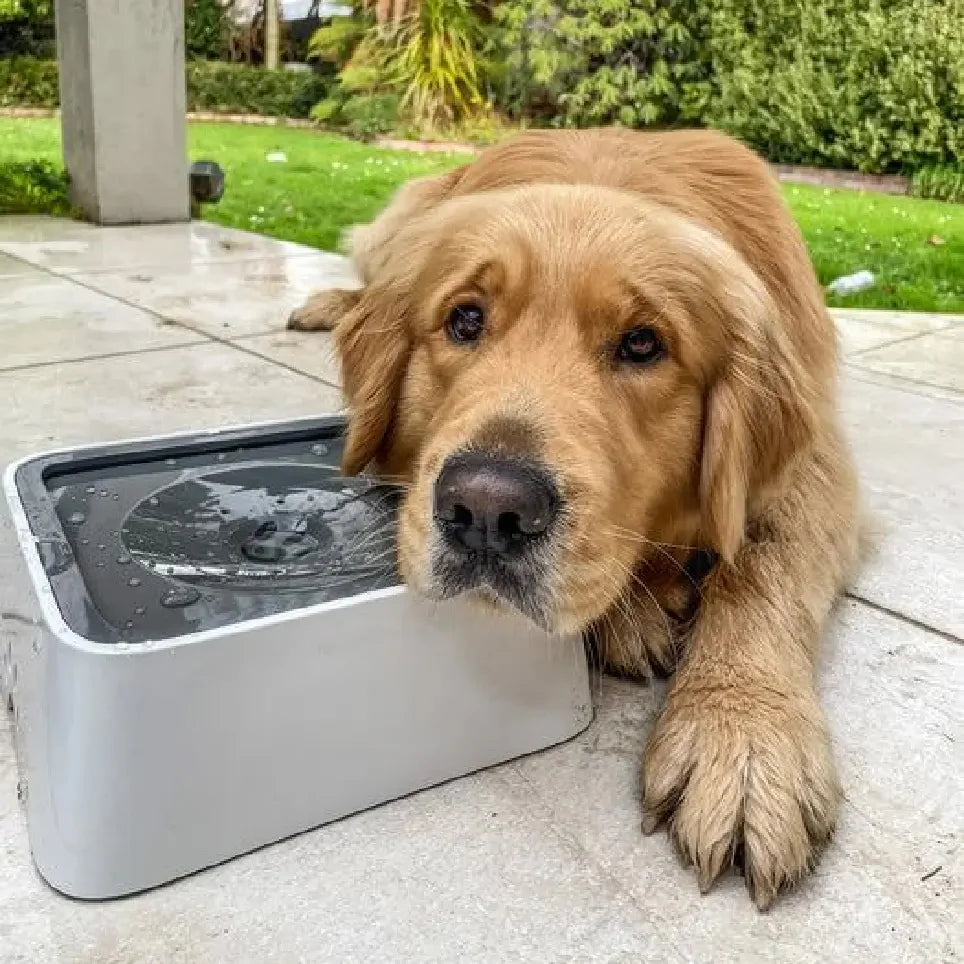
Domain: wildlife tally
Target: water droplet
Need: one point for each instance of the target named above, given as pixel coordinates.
(123, 560)
(133, 581)
(139, 611)
(319, 449)
(179, 597)
(76, 518)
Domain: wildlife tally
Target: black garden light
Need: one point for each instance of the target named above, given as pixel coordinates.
(207, 184)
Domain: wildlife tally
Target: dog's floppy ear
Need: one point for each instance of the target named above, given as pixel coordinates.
(760, 411)
(372, 339)
(373, 344)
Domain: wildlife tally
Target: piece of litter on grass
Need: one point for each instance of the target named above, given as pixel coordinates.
(276, 157)
(936, 240)
(850, 284)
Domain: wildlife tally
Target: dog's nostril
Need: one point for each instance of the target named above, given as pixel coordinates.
(461, 516)
(512, 525)
(509, 525)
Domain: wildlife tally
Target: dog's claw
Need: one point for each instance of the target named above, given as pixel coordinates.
(650, 822)
(294, 321)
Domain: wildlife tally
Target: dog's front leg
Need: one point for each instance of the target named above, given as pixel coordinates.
(323, 310)
(740, 760)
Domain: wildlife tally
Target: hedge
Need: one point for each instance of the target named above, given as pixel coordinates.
(876, 85)
(211, 86)
(239, 89)
(26, 82)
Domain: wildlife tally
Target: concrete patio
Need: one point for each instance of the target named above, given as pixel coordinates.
(109, 333)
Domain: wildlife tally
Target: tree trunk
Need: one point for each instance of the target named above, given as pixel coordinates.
(391, 10)
(272, 39)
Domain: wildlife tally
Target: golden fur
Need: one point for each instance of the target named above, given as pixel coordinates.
(730, 444)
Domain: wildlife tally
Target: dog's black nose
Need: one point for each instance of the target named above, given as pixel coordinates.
(487, 502)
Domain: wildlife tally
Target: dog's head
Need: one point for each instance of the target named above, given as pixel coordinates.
(564, 376)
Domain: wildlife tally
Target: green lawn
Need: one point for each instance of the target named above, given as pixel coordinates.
(329, 183)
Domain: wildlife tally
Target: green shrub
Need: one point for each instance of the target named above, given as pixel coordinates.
(336, 42)
(628, 62)
(33, 187)
(943, 182)
(27, 28)
(876, 85)
(206, 27)
(26, 82)
(364, 116)
(238, 89)
(211, 86)
(368, 115)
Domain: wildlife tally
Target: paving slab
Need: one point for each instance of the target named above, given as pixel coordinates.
(909, 445)
(199, 386)
(225, 300)
(860, 330)
(11, 266)
(69, 247)
(310, 352)
(935, 359)
(50, 319)
(893, 694)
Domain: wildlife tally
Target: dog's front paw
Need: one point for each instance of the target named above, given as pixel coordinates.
(742, 771)
(323, 310)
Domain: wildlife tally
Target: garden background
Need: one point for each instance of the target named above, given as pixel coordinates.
(869, 86)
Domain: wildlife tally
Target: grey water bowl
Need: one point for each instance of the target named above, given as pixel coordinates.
(225, 656)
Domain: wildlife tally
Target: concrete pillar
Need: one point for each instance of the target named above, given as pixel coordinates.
(122, 108)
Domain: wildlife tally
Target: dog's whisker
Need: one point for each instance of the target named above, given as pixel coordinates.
(620, 533)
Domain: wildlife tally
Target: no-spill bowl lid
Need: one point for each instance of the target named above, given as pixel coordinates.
(159, 539)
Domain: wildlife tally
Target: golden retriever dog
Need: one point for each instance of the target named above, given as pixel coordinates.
(600, 364)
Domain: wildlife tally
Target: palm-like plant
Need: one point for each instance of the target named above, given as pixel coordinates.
(429, 56)
(433, 57)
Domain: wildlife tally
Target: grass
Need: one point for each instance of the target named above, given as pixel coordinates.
(915, 247)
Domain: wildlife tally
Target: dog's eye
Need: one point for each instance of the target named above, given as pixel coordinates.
(465, 323)
(640, 346)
